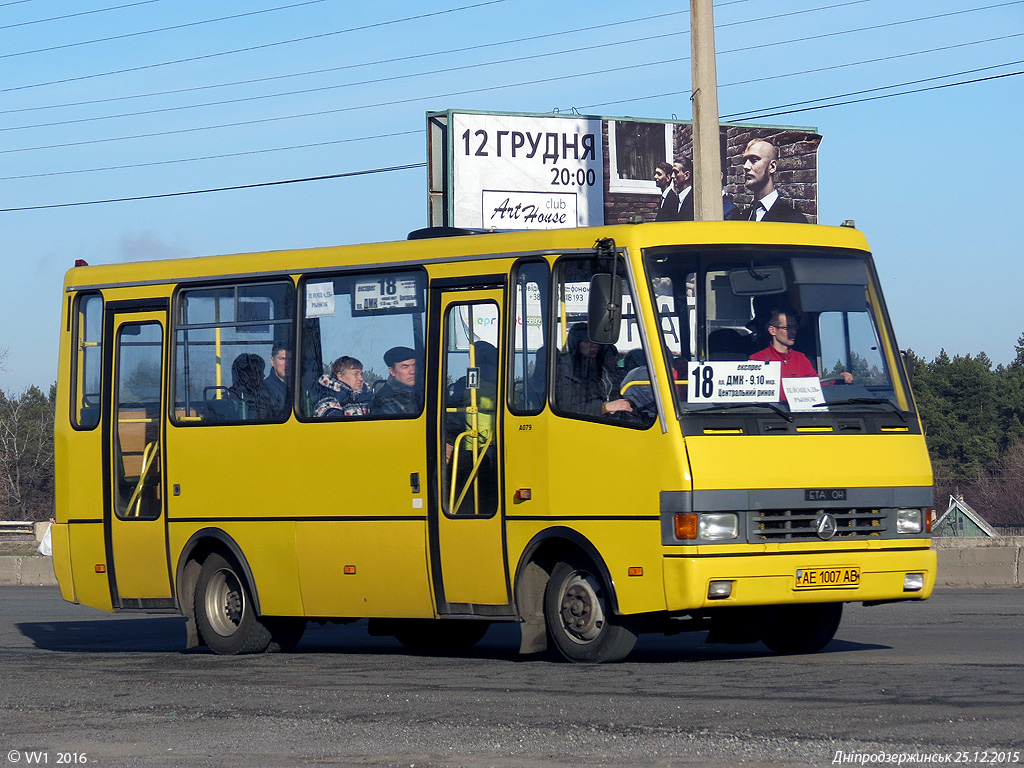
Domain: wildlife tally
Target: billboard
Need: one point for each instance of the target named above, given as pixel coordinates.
(530, 171)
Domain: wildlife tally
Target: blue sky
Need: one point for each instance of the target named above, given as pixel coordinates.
(925, 175)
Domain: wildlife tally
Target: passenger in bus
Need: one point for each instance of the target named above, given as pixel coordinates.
(536, 383)
(586, 376)
(246, 375)
(460, 396)
(237, 402)
(342, 392)
(274, 397)
(782, 329)
(401, 394)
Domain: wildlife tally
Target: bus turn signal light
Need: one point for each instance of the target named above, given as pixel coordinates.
(101, 568)
(635, 570)
(349, 570)
(686, 526)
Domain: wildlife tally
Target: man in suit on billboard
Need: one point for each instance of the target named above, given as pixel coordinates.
(760, 160)
(669, 202)
(682, 180)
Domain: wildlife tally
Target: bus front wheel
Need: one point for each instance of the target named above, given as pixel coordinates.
(793, 629)
(225, 612)
(579, 618)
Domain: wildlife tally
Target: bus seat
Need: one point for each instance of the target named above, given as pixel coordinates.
(730, 344)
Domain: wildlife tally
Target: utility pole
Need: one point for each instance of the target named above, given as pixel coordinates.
(707, 160)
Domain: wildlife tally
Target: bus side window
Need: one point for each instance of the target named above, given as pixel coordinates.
(233, 354)
(88, 336)
(528, 371)
(588, 376)
(359, 318)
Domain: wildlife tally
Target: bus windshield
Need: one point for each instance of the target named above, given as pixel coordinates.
(782, 329)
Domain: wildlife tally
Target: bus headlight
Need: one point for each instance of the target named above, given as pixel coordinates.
(722, 525)
(908, 521)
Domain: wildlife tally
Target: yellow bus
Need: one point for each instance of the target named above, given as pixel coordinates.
(582, 431)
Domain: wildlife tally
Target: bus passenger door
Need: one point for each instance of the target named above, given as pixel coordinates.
(467, 525)
(135, 513)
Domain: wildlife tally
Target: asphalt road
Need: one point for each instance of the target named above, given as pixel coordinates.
(943, 678)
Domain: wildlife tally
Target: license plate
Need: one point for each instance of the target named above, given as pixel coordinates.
(827, 578)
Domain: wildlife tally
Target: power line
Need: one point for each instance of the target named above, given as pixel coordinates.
(486, 89)
(882, 96)
(331, 69)
(587, 106)
(807, 71)
(214, 157)
(252, 47)
(218, 189)
(392, 78)
(73, 15)
(161, 29)
(423, 165)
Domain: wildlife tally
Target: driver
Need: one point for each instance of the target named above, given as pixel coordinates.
(782, 328)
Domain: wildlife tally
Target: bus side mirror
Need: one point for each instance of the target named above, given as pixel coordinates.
(604, 311)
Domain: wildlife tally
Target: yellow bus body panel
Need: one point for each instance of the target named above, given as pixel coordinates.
(62, 561)
(388, 564)
(304, 471)
(88, 550)
(269, 550)
(728, 462)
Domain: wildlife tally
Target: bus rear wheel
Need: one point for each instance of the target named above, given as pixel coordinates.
(578, 615)
(794, 629)
(225, 612)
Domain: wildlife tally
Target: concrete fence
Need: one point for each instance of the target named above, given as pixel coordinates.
(980, 562)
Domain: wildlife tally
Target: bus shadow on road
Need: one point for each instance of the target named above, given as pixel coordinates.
(134, 635)
(166, 634)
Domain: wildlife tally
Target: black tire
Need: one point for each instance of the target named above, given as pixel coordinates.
(439, 635)
(578, 614)
(793, 629)
(225, 613)
(285, 633)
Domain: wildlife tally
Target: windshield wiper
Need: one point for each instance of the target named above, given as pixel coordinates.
(730, 406)
(867, 401)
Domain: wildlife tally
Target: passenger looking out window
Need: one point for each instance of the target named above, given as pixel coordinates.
(342, 392)
(401, 393)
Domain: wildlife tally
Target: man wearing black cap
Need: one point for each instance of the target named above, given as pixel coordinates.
(399, 395)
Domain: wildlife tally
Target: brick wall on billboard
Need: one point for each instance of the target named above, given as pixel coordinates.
(796, 177)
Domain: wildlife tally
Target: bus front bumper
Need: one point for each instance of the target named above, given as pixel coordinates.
(706, 581)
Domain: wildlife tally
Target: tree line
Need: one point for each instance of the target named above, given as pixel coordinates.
(973, 415)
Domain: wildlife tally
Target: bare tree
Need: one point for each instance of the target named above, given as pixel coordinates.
(999, 494)
(26, 455)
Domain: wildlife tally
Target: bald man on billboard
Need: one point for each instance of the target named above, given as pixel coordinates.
(760, 161)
